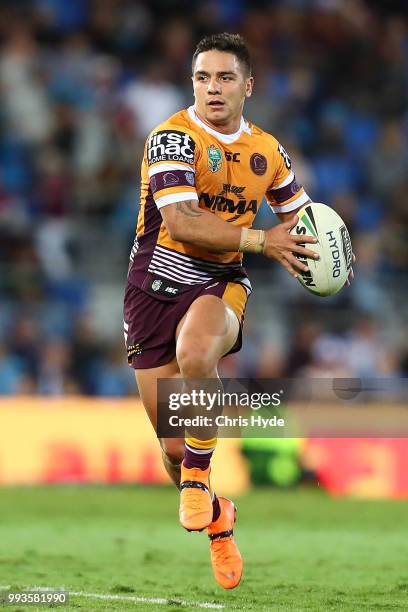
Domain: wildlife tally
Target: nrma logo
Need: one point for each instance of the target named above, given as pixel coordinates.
(223, 204)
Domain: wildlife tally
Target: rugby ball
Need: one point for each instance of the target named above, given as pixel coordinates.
(328, 274)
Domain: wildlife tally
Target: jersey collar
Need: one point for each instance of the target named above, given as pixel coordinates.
(225, 138)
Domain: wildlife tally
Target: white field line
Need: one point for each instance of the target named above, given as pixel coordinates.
(135, 599)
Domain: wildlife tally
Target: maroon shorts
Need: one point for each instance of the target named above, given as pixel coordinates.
(151, 316)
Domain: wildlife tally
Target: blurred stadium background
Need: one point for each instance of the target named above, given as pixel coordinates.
(82, 82)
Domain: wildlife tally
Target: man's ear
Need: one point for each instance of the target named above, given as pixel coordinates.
(249, 87)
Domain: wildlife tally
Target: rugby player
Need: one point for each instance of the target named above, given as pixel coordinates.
(204, 174)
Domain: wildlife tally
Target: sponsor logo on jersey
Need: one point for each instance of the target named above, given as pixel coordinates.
(190, 178)
(285, 156)
(238, 191)
(224, 204)
(281, 194)
(258, 164)
(170, 179)
(295, 187)
(234, 157)
(214, 158)
(166, 180)
(170, 145)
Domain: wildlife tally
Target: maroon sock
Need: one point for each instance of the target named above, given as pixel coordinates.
(197, 460)
(216, 508)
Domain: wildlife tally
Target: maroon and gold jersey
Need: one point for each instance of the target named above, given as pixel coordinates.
(228, 174)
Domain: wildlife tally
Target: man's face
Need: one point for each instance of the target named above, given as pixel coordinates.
(220, 87)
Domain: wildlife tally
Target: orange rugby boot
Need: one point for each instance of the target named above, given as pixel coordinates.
(196, 508)
(225, 557)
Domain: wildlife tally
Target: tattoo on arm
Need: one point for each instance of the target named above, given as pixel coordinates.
(186, 208)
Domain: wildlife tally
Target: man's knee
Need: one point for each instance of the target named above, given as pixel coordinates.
(194, 360)
(173, 450)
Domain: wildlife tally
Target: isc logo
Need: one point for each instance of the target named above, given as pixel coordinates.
(170, 146)
(230, 156)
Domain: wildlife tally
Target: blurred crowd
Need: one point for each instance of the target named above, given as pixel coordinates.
(82, 83)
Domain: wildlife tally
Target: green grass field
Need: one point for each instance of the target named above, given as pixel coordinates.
(302, 550)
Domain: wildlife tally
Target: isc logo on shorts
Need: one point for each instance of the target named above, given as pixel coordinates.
(170, 146)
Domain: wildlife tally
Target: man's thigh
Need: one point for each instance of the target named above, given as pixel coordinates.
(209, 325)
(152, 325)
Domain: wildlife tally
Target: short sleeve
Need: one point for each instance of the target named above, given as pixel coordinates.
(170, 160)
(284, 194)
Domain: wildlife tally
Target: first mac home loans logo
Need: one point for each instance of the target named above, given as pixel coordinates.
(170, 145)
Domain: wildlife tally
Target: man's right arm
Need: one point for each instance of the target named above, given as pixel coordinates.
(187, 222)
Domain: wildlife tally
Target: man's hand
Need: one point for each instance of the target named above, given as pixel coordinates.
(281, 245)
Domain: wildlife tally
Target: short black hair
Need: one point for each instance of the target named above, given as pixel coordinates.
(227, 42)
